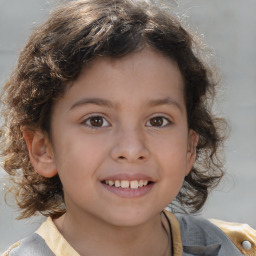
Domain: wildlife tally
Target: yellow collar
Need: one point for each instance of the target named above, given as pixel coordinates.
(54, 239)
(59, 245)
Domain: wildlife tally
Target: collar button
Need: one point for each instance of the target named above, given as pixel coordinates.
(246, 245)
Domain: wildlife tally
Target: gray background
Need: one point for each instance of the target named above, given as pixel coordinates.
(229, 29)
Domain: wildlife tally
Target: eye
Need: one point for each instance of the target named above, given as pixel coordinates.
(96, 121)
(158, 121)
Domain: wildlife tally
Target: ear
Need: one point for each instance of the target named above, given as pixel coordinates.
(193, 138)
(40, 152)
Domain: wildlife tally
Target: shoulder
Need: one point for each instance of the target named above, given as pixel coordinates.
(29, 246)
(242, 235)
(224, 237)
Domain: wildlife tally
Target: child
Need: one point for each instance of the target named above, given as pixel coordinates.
(106, 123)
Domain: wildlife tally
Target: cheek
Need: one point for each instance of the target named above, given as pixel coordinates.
(173, 165)
(172, 159)
(78, 158)
(172, 150)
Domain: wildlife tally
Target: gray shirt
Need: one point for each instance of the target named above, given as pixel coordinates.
(199, 238)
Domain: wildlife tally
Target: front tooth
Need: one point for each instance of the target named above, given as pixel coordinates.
(145, 182)
(125, 184)
(111, 182)
(141, 183)
(117, 183)
(134, 184)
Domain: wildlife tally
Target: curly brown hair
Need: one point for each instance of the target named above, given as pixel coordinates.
(75, 34)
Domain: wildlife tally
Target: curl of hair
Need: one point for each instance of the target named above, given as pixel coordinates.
(53, 57)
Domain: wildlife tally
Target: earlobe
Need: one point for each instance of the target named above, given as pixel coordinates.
(193, 139)
(40, 152)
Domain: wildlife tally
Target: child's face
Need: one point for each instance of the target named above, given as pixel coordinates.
(123, 121)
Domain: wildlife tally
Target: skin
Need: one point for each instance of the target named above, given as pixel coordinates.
(138, 101)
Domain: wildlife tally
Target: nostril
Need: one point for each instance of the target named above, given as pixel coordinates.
(131, 158)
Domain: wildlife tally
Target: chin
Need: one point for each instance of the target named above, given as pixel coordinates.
(129, 218)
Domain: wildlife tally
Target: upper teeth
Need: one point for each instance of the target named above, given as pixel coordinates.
(126, 183)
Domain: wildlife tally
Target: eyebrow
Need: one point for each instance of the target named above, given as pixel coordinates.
(165, 101)
(95, 101)
(109, 104)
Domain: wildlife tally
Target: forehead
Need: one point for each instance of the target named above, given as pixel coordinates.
(140, 76)
(138, 64)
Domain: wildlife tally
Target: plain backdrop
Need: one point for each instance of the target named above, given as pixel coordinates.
(228, 28)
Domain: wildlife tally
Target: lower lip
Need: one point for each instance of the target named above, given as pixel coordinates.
(128, 192)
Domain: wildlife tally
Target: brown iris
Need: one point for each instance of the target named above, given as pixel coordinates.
(157, 121)
(96, 121)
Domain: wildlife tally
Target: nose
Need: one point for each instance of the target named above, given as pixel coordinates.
(130, 146)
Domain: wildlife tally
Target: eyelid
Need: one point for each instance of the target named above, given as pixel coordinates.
(168, 119)
(89, 116)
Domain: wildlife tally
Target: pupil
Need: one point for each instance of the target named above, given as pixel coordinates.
(96, 121)
(157, 121)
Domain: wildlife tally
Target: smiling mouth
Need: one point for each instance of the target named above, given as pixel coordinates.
(133, 184)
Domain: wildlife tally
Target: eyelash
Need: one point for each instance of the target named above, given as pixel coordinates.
(88, 121)
(164, 122)
(160, 122)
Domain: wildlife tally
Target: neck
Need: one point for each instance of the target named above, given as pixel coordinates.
(91, 236)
